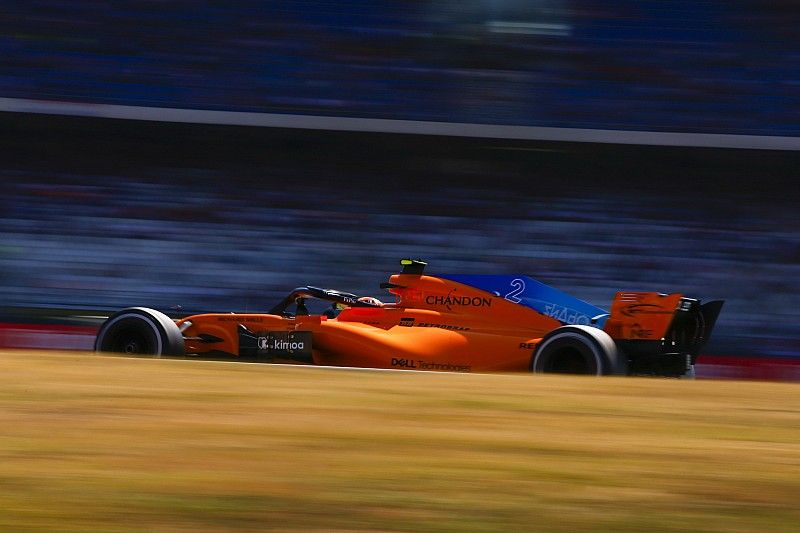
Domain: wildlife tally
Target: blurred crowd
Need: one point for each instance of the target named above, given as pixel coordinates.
(711, 66)
(207, 241)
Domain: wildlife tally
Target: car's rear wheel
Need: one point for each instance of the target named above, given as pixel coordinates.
(140, 331)
(578, 350)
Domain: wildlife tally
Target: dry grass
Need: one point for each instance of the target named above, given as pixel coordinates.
(93, 443)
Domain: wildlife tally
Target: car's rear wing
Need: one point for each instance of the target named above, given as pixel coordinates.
(666, 323)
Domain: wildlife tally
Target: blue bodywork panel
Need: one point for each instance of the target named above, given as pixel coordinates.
(524, 290)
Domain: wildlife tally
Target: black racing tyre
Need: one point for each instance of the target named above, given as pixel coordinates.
(140, 331)
(578, 350)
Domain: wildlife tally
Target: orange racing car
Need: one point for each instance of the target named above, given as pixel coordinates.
(463, 323)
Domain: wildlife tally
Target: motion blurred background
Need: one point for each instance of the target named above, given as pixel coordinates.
(207, 211)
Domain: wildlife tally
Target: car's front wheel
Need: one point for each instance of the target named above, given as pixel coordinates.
(140, 331)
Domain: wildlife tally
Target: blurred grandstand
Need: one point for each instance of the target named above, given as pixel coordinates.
(101, 214)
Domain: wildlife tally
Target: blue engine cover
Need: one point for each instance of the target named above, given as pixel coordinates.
(524, 290)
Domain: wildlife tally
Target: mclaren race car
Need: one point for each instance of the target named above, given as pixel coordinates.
(461, 323)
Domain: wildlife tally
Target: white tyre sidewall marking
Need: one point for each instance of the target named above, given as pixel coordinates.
(147, 319)
(571, 335)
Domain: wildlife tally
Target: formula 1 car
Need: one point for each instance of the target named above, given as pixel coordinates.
(470, 323)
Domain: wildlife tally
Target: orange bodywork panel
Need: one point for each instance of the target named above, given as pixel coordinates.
(641, 315)
(466, 328)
